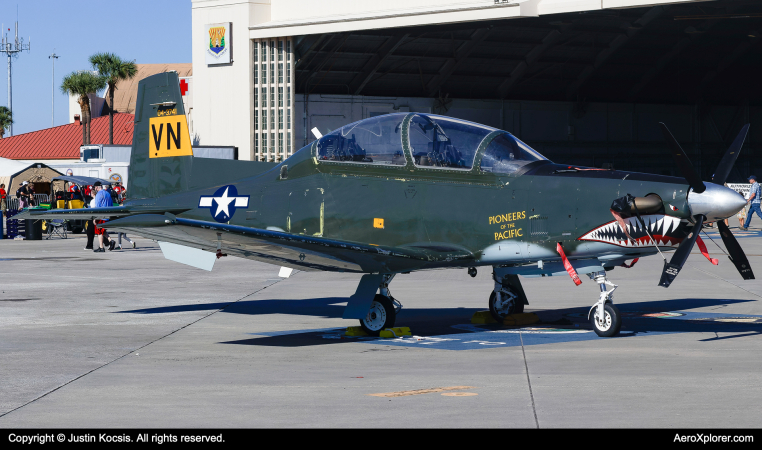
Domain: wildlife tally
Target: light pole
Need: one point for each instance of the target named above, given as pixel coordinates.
(54, 57)
(12, 49)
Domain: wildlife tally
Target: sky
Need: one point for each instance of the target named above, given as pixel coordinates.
(146, 31)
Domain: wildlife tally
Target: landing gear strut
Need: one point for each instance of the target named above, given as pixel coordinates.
(383, 311)
(604, 316)
(504, 299)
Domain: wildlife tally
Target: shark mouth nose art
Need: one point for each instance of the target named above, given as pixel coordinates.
(667, 231)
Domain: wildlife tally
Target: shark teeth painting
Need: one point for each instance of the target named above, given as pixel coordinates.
(667, 231)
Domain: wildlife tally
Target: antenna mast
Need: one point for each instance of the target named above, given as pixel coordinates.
(11, 49)
(54, 57)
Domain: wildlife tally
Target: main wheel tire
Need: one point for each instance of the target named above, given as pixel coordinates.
(611, 324)
(380, 316)
(500, 315)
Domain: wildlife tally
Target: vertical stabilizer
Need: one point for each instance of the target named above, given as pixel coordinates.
(162, 155)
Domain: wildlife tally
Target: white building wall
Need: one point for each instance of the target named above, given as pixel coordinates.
(222, 97)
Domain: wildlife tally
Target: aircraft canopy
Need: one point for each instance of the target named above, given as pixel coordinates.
(432, 141)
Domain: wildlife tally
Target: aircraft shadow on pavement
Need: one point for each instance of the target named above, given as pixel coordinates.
(639, 318)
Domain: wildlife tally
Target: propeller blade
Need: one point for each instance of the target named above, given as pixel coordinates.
(737, 256)
(723, 170)
(683, 163)
(672, 268)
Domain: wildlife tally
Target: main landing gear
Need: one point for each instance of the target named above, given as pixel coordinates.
(604, 316)
(383, 310)
(507, 297)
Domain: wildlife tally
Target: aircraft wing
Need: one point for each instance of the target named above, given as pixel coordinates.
(85, 213)
(286, 249)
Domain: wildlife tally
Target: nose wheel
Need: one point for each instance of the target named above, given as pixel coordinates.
(608, 325)
(605, 318)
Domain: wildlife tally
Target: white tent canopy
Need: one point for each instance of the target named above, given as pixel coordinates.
(8, 168)
(13, 173)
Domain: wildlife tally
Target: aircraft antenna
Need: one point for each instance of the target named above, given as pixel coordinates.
(12, 49)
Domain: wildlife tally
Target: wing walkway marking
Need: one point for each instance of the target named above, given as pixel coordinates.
(139, 348)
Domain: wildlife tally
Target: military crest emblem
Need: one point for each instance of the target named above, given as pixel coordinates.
(216, 40)
(218, 43)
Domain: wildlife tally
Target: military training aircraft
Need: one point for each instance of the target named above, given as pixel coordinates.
(403, 192)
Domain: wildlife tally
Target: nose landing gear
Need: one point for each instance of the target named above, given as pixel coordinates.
(605, 318)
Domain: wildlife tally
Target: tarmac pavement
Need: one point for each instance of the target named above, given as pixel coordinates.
(129, 339)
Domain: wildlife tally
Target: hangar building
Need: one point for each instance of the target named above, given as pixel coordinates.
(583, 81)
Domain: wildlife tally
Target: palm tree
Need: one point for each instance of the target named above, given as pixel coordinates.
(82, 83)
(113, 69)
(6, 120)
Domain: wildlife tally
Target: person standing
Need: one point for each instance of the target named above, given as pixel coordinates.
(3, 194)
(753, 201)
(124, 235)
(90, 224)
(32, 199)
(22, 193)
(90, 231)
(3, 207)
(119, 192)
(88, 197)
(102, 200)
(742, 213)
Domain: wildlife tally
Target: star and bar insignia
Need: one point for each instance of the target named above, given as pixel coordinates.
(223, 203)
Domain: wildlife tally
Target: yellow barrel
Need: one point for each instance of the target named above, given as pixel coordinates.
(60, 204)
(76, 204)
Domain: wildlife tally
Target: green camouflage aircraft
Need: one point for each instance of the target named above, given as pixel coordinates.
(402, 192)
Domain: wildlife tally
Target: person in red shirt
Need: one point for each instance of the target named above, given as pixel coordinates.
(74, 192)
(87, 190)
(119, 189)
(3, 194)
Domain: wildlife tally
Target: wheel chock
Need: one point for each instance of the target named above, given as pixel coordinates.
(482, 317)
(521, 319)
(395, 332)
(355, 331)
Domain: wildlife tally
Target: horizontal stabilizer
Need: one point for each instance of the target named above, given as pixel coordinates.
(188, 255)
(83, 213)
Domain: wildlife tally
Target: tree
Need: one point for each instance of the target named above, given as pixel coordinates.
(80, 84)
(6, 120)
(113, 69)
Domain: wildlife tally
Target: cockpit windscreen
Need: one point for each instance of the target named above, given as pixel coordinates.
(507, 154)
(444, 142)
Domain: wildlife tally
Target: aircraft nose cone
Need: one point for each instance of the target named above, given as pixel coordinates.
(716, 202)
